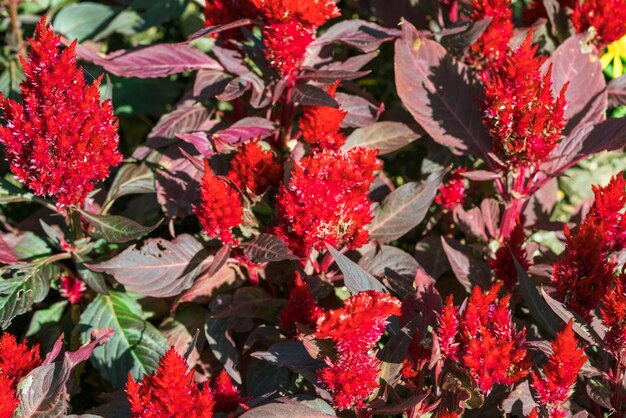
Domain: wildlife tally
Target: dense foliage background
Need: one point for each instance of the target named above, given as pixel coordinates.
(383, 209)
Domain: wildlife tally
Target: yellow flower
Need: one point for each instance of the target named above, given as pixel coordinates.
(615, 52)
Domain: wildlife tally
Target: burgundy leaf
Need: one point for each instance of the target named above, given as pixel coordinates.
(200, 141)
(243, 131)
(267, 248)
(617, 91)
(434, 88)
(430, 255)
(481, 175)
(361, 112)
(212, 30)
(351, 64)
(360, 34)
(204, 287)
(330, 76)
(354, 277)
(468, 269)
(6, 253)
(387, 137)
(396, 266)
(209, 83)
(459, 43)
(308, 95)
(159, 268)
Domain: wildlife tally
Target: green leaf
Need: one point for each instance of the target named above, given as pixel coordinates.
(9, 193)
(136, 347)
(27, 285)
(83, 20)
(117, 229)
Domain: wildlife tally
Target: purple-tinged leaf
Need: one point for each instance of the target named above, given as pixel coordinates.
(242, 131)
(200, 141)
(308, 95)
(159, 268)
(294, 355)
(599, 392)
(458, 43)
(219, 260)
(396, 266)
(181, 329)
(351, 64)
(575, 63)
(481, 175)
(251, 302)
(281, 410)
(617, 91)
(203, 289)
(435, 89)
(209, 83)
(354, 277)
(490, 209)
(387, 137)
(213, 30)
(520, 401)
(468, 269)
(267, 248)
(330, 76)
(361, 112)
(360, 34)
(430, 255)
(154, 61)
(177, 182)
(6, 253)
(117, 229)
(470, 222)
(405, 208)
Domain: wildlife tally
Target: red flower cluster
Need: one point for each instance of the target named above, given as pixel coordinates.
(61, 139)
(355, 329)
(613, 312)
(71, 288)
(503, 265)
(561, 372)
(327, 201)
(291, 27)
(452, 192)
(320, 125)
(607, 17)
(219, 12)
(607, 212)
(301, 307)
(254, 170)
(525, 121)
(583, 274)
(220, 208)
(16, 361)
(170, 392)
(227, 396)
(492, 351)
(492, 45)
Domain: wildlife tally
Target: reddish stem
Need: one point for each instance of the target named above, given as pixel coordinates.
(517, 198)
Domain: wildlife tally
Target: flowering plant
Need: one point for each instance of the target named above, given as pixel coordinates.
(313, 208)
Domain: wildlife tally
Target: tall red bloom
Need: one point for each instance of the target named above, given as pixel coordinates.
(607, 17)
(355, 329)
(290, 29)
(607, 212)
(583, 274)
(452, 192)
(524, 120)
(492, 45)
(16, 361)
(448, 329)
(219, 12)
(492, 350)
(61, 139)
(327, 201)
(560, 372)
(320, 125)
(227, 396)
(220, 207)
(169, 392)
(301, 307)
(71, 288)
(613, 312)
(503, 265)
(254, 169)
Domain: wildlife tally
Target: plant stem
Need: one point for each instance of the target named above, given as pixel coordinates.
(16, 27)
(74, 223)
(517, 198)
(619, 385)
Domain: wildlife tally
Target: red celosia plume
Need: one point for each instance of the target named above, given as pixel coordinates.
(524, 119)
(452, 192)
(321, 125)
(301, 307)
(503, 265)
(16, 361)
(309, 12)
(220, 209)
(226, 395)
(607, 17)
(61, 139)
(219, 12)
(355, 329)
(492, 45)
(326, 201)
(254, 169)
(447, 330)
(71, 288)
(613, 312)
(170, 392)
(560, 372)
(607, 213)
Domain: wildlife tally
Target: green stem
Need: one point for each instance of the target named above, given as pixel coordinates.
(74, 223)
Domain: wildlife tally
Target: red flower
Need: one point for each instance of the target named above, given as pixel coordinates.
(561, 371)
(320, 125)
(309, 12)
(219, 12)
(169, 392)
(355, 329)
(613, 312)
(492, 45)
(220, 207)
(61, 139)
(16, 361)
(607, 212)
(326, 200)
(524, 120)
(72, 288)
(452, 192)
(227, 396)
(583, 274)
(254, 169)
(447, 330)
(607, 17)
(493, 351)
(301, 307)
(503, 265)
